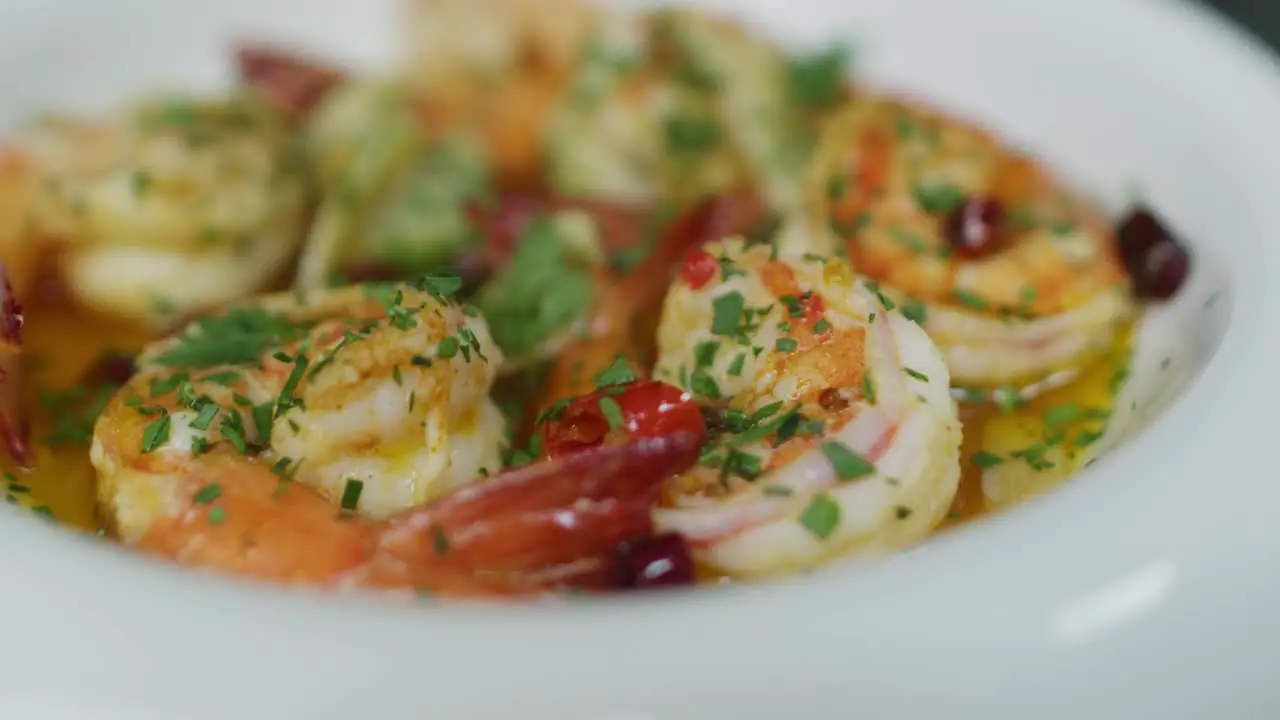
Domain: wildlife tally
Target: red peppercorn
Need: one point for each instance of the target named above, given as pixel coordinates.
(975, 227)
(1156, 262)
(698, 268)
(831, 399)
(662, 561)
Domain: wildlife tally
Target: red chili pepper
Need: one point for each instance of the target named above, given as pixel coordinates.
(698, 268)
(645, 408)
(294, 84)
(813, 307)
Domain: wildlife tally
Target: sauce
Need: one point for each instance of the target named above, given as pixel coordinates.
(1023, 450)
(1033, 447)
(61, 343)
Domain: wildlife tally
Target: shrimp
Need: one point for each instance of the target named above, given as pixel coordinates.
(1048, 293)
(528, 530)
(839, 431)
(498, 66)
(167, 208)
(392, 190)
(670, 104)
(375, 396)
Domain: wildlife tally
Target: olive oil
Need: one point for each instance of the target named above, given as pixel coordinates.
(1020, 450)
(61, 344)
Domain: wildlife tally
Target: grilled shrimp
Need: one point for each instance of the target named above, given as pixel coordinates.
(393, 191)
(672, 104)
(1010, 275)
(840, 433)
(495, 66)
(375, 396)
(167, 208)
(529, 530)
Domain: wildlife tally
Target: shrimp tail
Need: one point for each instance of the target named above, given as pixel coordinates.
(15, 427)
(551, 523)
(294, 85)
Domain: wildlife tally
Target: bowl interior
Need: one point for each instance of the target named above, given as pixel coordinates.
(1056, 110)
(1065, 80)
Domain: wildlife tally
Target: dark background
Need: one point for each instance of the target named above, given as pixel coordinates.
(1262, 17)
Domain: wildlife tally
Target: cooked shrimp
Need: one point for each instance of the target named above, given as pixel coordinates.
(527, 530)
(393, 192)
(673, 104)
(170, 207)
(375, 396)
(497, 66)
(1035, 285)
(842, 434)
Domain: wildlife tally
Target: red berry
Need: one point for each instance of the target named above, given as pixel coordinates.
(698, 268)
(662, 561)
(1156, 262)
(974, 227)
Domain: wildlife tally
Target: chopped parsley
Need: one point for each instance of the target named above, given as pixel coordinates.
(969, 300)
(618, 373)
(984, 459)
(240, 336)
(848, 464)
(916, 374)
(439, 541)
(735, 367)
(612, 412)
(1061, 414)
(207, 494)
(939, 198)
(727, 314)
(543, 290)
(351, 494)
(908, 240)
(816, 80)
(821, 517)
(688, 135)
(156, 433)
(786, 344)
(701, 383)
(914, 310)
(447, 347)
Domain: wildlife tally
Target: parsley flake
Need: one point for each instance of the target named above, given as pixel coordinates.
(848, 464)
(821, 517)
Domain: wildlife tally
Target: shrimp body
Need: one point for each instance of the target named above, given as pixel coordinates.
(376, 397)
(889, 178)
(525, 531)
(673, 105)
(169, 207)
(392, 192)
(841, 432)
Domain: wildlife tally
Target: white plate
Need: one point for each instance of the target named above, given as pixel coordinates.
(1146, 588)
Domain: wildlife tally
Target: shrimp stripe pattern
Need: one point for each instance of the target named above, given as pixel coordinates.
(840, 433)
(896, 185)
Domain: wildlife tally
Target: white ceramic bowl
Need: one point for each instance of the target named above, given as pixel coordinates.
(1148, 587)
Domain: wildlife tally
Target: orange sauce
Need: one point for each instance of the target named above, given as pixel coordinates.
(61, 343)
(1035, 446)
(64, 342)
